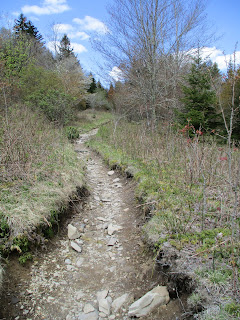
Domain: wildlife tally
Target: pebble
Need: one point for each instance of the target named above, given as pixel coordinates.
(76, 247)
(68, 261)
(79, 262)
(112, 242)
(110, 173)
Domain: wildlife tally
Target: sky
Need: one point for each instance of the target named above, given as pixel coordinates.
(81, 18)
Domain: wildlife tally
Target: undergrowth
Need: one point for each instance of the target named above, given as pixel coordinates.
(39, 171)
(184, 183)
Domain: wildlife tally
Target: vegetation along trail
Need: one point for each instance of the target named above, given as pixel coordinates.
(108, 260)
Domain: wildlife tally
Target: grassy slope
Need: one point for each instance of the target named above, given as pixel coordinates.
(178, 207)
(39, 172)
(37, 191)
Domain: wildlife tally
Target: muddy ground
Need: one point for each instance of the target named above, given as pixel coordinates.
(61, 282)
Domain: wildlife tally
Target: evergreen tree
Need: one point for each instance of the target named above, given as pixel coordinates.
(199, 98)
(93, 86)
(22, 26)
(65, 49)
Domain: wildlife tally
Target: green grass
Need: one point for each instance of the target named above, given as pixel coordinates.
(170, 183)
(89, 119)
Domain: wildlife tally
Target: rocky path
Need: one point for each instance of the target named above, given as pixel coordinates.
(99, 274)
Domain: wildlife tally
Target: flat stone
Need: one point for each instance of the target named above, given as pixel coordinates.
(76, 247)
(102, 294)
(79, 262)
(119, 302)
(112, 229)
(102, 219)
(88, 316)
(88, 308)
(79, 295)
(151, 300)
(73, 232)
(112, 242)
(110, 173)
(116, 180)
(104, 306)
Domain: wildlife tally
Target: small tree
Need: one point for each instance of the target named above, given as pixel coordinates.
(199, 97)
(65, 49)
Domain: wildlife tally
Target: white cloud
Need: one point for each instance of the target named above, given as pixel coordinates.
(62, 28)
(71, 31)
(91, 24)
(217, 56)
(48, 7)
(77, 47)
(79, 34)
(116, 74)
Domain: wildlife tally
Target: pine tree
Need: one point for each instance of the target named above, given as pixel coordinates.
(65, 49)
(199, 98)
(22, 26)
(93, 86)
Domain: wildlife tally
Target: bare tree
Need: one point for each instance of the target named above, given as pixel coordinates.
(148, 40)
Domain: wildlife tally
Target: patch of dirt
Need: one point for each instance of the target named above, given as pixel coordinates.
(61, 282)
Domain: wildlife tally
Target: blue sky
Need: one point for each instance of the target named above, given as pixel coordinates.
(80, 18)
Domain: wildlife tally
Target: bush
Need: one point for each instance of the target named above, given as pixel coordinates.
(72, 133)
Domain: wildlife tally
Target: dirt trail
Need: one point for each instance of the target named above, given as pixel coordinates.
(63, 283)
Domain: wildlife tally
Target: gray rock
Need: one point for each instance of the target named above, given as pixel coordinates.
(112, 241)
(102, 294)
(104, 306)
(73, 232)
(76, 247)
(151, 300)
(79, 295)
(110, 173)
(79, 262)
(88, 316)
(116, 180)
(68, 261)
(88, 308)
(119, 302)
(112, 229)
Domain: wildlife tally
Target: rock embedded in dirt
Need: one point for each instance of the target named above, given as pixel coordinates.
(73, 232)
(119, 302)
(79, 262)
(112, 229)
(151, 300)
(88, 308)
(88, 316)
(112, 242)
(104, 306)
(68, 261)
(116, 180)
(110, 173)
(76, 247)
(102, 294)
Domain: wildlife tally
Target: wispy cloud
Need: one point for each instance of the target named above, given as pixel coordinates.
(48, 7)
(71, 31)
(219, 57)
(77, 47)
(91, 24)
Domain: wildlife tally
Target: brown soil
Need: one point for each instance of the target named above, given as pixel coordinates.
(60, 281)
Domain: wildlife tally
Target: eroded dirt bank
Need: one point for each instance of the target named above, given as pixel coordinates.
(62, 283)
